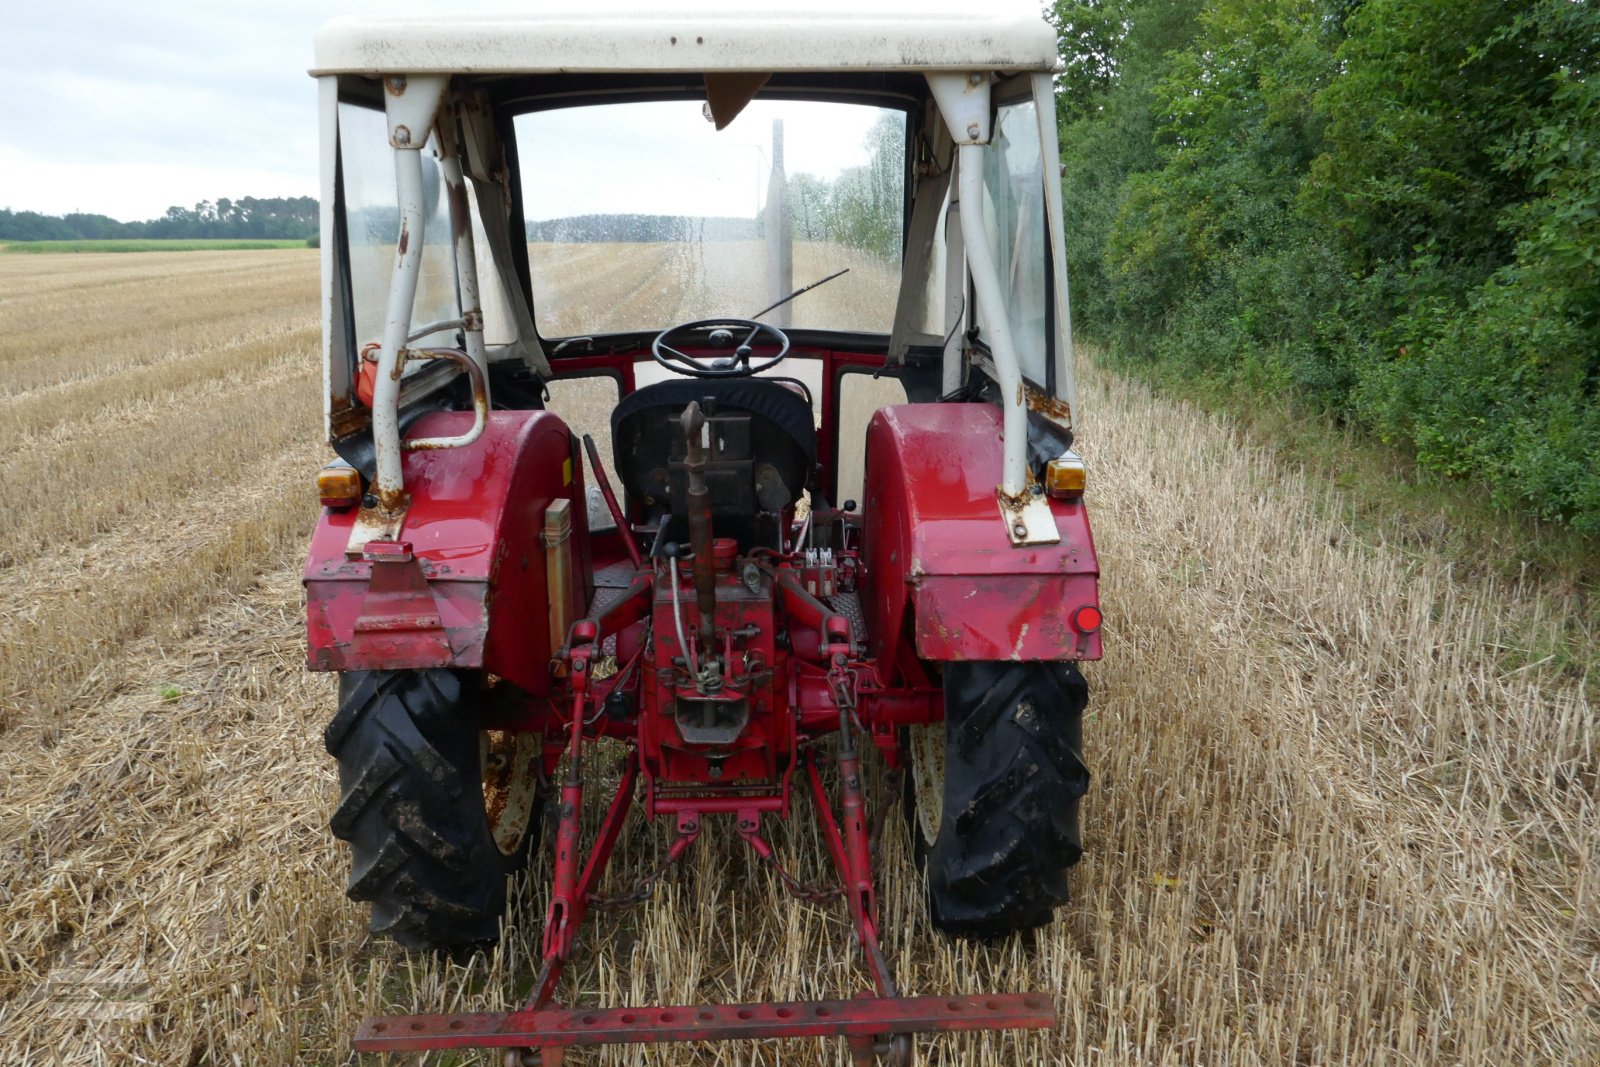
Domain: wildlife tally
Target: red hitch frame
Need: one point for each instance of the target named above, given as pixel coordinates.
(874, 1026)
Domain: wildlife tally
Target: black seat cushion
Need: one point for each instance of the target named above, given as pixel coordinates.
(645, 430)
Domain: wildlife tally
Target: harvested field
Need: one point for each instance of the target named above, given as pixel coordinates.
(581, 288)
(153, 244)
(1344, 808)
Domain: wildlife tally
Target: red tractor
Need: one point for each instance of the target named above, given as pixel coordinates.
(515, 204)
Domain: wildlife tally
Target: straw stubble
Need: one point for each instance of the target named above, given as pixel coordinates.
(1331, 819)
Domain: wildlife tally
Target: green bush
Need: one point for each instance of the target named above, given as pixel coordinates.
(1387, 209)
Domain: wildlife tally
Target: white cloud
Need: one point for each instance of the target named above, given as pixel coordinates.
(124, 109)
(665, 158)
(133, 190)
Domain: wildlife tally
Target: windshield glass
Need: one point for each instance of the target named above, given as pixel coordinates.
(641, 215)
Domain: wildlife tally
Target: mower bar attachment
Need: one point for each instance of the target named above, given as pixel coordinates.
(559, 1028)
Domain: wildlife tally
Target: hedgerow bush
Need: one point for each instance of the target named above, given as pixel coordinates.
(1388, 209)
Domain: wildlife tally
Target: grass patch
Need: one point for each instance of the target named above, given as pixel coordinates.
(175, 244)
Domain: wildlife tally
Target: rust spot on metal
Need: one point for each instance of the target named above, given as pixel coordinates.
(347, 420)
(1013, 503)
(1050, 407)
(480, 393)
(460, 216)
(393, 501)
(405, 238)
(395, 84)
(497, 774)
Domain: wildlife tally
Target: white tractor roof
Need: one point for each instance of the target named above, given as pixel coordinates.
(976, 35)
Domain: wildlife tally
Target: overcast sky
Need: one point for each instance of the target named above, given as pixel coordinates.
(126, 108)
(123, 109)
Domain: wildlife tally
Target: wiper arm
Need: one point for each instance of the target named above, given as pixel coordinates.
(797, 292)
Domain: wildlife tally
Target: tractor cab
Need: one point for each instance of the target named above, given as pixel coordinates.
(702, 383)
(584, 209)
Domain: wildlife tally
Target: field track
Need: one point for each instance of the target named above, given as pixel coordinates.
(1344, 806)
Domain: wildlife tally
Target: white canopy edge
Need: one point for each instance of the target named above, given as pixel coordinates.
(656, 41)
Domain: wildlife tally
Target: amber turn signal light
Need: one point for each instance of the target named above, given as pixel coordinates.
(339, 485)
(1064, 476)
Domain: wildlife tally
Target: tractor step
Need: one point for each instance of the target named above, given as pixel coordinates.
(557, 1027)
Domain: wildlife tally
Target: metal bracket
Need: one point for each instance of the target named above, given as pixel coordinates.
(555, 1027)
(1028, 519)
(373, 524)
(399, 609)
(410, 104)
(964, 102)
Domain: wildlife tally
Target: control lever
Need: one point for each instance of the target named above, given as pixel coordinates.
(698, 499)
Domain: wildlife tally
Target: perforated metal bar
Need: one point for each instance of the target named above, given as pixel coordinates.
(567, 1027)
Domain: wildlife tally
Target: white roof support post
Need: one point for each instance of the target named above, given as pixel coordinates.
(476, 361)
(335, 373)
(411, 104)
(964, 102)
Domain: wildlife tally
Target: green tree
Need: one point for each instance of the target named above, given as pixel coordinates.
(808, 207)
(1391, 207)
(1208, 265)
(1490, 364)
(866, 204)
(1431, 96)
(1108, 124)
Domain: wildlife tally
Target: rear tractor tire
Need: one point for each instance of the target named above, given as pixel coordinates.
(993, 795)
(437, 812)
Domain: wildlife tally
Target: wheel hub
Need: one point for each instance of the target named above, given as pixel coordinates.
(510, 763)
(927, 777)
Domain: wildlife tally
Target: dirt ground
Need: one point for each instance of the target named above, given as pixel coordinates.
(1344, 805)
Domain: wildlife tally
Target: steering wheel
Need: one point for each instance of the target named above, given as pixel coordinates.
(739, 366)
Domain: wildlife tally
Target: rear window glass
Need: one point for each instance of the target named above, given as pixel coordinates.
(641, 215)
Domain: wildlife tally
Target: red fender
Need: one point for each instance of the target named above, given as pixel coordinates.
(936, 549)
(471, 592)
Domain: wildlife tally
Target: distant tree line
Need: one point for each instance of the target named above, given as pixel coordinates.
(1388, 208)
(862, 207)
(284, 218)
(648, 228)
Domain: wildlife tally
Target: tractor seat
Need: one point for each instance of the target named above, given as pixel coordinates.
(763, 444)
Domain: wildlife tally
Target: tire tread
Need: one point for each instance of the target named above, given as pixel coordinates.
(1014, 774)
(421, 851)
